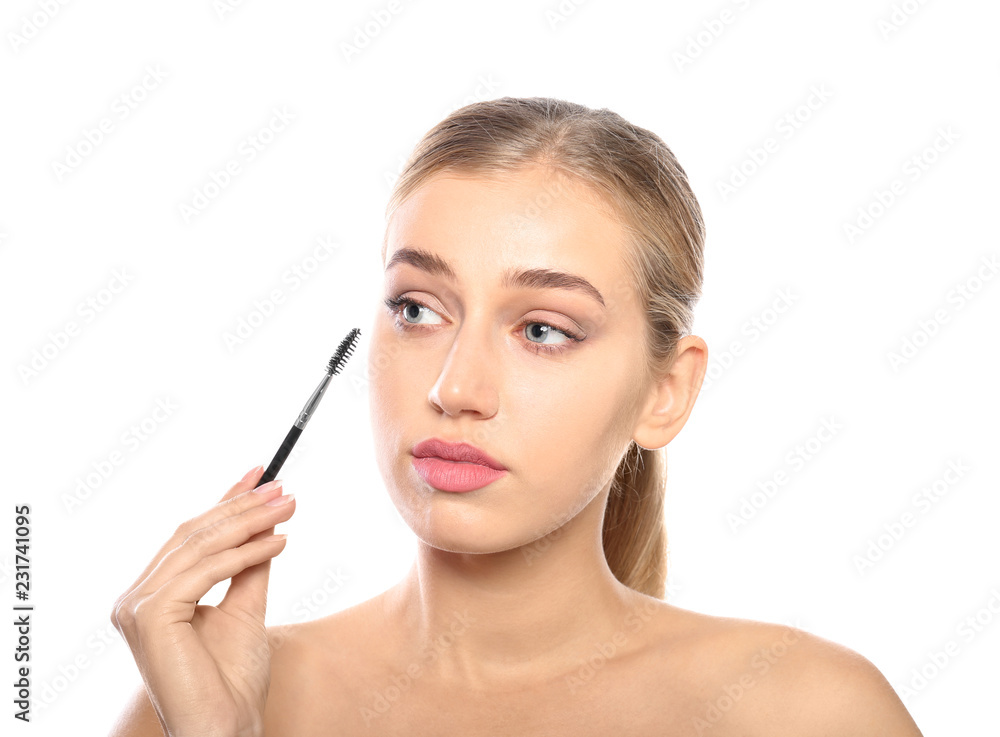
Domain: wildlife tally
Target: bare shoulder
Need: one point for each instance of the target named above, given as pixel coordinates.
(137, 719)
(772, 679)
(301, 652)
(314, 669)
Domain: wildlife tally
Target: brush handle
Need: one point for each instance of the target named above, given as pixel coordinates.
(336, 363)
(279, 458)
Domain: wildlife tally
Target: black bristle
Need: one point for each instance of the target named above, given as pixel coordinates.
(343, 352)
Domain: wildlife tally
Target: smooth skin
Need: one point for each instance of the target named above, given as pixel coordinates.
(509, 621)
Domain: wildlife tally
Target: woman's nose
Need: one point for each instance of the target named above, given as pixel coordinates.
(468, 378)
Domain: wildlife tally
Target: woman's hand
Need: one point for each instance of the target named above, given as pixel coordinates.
(206, 668)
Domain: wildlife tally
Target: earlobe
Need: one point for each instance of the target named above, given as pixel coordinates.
(656, 424)
(671, 400)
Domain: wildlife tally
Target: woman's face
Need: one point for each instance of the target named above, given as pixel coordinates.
(475, 362)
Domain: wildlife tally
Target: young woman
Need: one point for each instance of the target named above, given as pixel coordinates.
(530, 363)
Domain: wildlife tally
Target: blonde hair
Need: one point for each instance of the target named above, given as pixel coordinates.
(651, 198)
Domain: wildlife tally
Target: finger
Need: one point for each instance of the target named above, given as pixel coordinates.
(235, 583)
(247, 592)
(249, 481)
(194, 583)
(229, 532)
(235, 501)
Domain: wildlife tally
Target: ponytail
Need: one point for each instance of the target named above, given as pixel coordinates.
(635, 533)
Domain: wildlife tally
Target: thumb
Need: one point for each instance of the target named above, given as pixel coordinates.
(247, 593)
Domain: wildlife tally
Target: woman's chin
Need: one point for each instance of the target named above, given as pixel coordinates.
(465, 536)
(466, 540)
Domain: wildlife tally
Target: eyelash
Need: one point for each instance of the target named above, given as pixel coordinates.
(396, 305)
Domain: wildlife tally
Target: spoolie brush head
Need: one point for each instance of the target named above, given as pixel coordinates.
(343, 352)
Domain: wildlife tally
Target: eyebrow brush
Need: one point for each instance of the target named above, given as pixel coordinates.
(333, 368)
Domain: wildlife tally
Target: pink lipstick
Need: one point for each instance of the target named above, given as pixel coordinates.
(455, 466)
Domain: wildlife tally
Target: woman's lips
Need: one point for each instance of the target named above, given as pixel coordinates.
(455, 451)
(455, 475)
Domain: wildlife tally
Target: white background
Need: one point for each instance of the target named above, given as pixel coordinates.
(893, 77)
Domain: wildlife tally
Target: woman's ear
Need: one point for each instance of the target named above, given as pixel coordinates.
(670, 401)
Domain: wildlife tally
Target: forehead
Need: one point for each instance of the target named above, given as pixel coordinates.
(534, 218)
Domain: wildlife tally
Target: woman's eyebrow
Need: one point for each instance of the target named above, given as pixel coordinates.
(510, 279)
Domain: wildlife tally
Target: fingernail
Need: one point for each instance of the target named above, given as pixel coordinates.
(280, 500)
(251, 473)
(269, 486)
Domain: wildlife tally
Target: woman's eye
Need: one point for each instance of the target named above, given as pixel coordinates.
(541, 331)
(410, 309)
(407, 312)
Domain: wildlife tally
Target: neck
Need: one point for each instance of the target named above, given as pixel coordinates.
(516, 615)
